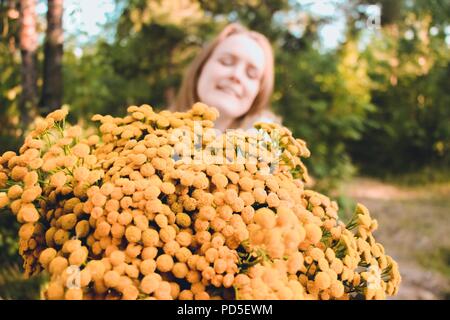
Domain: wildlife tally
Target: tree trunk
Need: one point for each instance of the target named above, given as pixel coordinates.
(8, 30)
(52, 91)
(28, 46)
(12, 11)
(391, 11)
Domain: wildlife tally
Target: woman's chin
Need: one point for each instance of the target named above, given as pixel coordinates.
(225, 111)
(231, 108)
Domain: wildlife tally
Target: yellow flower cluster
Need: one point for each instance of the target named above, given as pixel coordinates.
(120, 215)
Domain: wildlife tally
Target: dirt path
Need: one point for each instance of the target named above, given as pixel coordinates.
(415, 230)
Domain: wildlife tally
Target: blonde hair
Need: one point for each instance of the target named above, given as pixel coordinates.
(187, 95)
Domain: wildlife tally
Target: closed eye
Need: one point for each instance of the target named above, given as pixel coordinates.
(227, 60)
(252, 72)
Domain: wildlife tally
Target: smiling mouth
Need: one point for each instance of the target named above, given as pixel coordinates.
(229, 91)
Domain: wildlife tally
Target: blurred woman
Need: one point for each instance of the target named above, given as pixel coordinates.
(235, 74)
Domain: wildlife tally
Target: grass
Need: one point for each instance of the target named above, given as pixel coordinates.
(347, 207)
(438, 260)
(14, 286)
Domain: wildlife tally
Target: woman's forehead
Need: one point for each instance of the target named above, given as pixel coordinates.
(243, 46)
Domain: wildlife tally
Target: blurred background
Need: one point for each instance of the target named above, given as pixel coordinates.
(364, 82)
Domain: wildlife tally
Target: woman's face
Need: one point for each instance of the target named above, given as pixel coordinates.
(230, 79)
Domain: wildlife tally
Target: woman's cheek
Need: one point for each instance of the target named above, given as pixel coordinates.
(210, 73)
(253, 91)
(218, 70)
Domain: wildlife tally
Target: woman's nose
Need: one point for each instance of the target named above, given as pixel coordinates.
(235, 78)
(237, 73)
